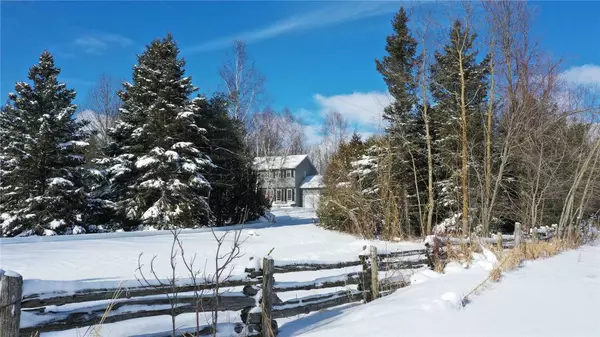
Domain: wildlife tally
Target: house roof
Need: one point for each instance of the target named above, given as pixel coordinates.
(278, 162)
(313, 182)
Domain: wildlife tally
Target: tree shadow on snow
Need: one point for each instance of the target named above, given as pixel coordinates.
(292, 217)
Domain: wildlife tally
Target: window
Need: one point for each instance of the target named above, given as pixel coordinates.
(278, 194)
(289, 195)
(304, 174)
(289, 173)
(274, 174)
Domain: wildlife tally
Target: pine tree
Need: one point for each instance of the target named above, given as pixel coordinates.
(445, 89)
(155, 167)
(41, 156)
(235, 195)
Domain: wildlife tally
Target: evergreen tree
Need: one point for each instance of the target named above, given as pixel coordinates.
(405, 132)
(398, 70)
(41, 180)
(235, 195)
(155, 167)
(355, 139)
(445, 90)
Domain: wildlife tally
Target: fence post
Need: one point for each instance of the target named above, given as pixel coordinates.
(517, 234)
(499, 242)
(365, 285)
(267, 298)
(11, 285)
(374, 274)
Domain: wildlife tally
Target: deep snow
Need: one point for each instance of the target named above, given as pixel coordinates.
(68, 263)
(552, 297)
(114, 256)
(558, 296)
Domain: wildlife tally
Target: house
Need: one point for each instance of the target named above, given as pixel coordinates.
(289, 180)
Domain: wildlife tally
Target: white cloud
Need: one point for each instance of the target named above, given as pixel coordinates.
(313, 134)
(327, 16)
(99, 43)
(587, 74)
(363, 108)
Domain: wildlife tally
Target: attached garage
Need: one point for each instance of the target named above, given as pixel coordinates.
(311, 191)
(310, 198)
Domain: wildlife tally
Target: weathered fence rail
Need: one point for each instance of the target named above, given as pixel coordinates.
(98, 294)
(258, 301)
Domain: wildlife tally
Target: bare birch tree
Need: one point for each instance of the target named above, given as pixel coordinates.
(102, 108)
(244, 84)
(335, 131)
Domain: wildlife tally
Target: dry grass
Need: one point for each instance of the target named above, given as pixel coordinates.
(495, 274)
(461, 253)
(512, 259)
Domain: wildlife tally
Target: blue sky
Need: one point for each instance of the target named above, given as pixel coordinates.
(315, 55)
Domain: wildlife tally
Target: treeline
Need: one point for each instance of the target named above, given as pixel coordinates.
(159, 155)
(473, 140)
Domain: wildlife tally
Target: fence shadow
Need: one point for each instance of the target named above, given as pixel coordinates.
(313, 321)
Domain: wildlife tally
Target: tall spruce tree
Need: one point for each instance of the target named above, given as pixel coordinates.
(405, 130)
(235, 195)
(398, 70)
(156, 168)
(458, 53)
(41, 146)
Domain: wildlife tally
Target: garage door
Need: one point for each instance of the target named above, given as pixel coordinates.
(310, 199)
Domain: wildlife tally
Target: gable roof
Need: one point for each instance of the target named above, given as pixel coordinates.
(313, 182)
(279, 162)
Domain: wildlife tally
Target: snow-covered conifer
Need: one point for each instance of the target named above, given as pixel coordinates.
(41, 156)
(155, 167)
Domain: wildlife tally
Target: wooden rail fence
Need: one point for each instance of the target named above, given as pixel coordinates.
(258, 301)
(373, 276)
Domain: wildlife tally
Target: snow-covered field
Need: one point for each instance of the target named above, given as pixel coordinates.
(114, 256)
(553, 297)
(559, 296)
(111, 258)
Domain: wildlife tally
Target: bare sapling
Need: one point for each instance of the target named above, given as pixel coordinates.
(194, 274)
(464, 171)
(169, 285)
(424, 83)
(224, 260)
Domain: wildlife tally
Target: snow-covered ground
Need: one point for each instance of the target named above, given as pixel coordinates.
(67, 263)
(114, 256)
(558, 296)
(552, 297)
